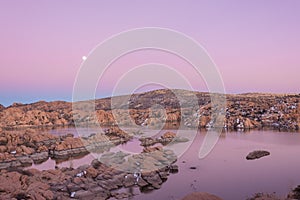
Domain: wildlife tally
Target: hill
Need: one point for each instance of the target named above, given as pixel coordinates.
(243, 111)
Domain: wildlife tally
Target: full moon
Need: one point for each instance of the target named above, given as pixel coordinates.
(84, 57)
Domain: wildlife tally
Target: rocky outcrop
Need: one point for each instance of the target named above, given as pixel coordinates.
(37, 114)
(166, 138)
(257, 154)
(20, 148)
(23, 185)
(201, 196)
(94, 181)
(243, 111)
(151, 159)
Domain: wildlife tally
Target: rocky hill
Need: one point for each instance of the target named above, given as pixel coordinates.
(243, 111)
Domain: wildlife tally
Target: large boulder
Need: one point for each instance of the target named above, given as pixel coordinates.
(257, 154)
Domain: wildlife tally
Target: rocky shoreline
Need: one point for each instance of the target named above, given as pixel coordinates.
(101, 179)
(243, 111)
(86, 182)
(104, 177)
(24, 147)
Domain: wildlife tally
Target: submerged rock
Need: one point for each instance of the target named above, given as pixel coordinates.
(257, 154)
(201, 196)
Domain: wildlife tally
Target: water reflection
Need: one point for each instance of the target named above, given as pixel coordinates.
(225, 172)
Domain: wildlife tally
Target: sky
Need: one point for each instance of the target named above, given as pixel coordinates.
(255, 44)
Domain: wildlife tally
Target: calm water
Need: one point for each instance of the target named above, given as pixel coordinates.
(224, 172)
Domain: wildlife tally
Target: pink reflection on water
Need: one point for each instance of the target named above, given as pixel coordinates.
(225, 171)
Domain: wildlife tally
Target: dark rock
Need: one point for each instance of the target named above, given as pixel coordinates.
(96, 163)
(147, 189)
(141, 182)
(295, 193)
(163, 176)
(257, 154)
(39, 157)
(153, 179)
(173, 169)
(26, 161)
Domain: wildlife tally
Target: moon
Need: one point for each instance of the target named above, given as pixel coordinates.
(84, 57)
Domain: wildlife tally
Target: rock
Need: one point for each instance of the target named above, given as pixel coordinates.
(295, 194)
(122, 195)
(173, 169)
(1, 107)
(257, 154)
(83, 194)
(108, 185)
(96, 163)
(39, 157)
(201, 196)
(42, 148)
(25, 161)
(64, 154)
(181, 139)
(27, 150)
(3, 140)
(141, 182)
(3, 149)
(115, 131)
(169, 135)
(152, 149)
(16, 184)
(163, 175)
(204, 120)
(129, 180)
(91, 172)
(39, 190)
(10, 182)
(148, 141)
(153, 179)
(65, 183)
(248, 124)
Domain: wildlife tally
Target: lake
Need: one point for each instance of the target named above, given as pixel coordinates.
(225, 172)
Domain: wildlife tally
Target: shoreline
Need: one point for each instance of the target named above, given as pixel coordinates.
(247, 111)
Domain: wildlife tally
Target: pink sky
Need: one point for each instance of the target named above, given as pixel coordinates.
(255, 44)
